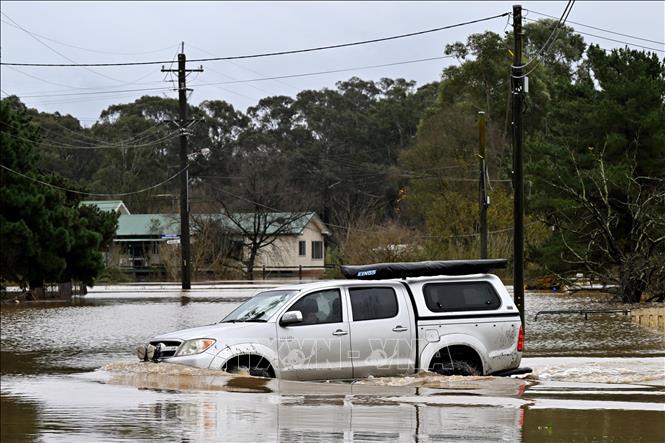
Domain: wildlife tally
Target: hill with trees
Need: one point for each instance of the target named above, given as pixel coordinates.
(389, 166)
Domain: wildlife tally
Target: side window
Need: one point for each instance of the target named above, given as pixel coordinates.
(302, 248)
(473, 296)
(319, 307)
(373, 303)
(317, 250)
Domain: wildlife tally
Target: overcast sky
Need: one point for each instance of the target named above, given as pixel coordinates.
(100, 32)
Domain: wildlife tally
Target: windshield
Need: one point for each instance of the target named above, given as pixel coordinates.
(260, 307)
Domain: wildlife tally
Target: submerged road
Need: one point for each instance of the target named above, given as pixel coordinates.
(68, 373)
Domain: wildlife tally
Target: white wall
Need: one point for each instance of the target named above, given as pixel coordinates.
(284, 251)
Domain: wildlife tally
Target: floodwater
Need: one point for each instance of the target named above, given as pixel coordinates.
(68, 373)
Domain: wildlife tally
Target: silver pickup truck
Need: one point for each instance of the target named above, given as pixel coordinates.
(450, 317)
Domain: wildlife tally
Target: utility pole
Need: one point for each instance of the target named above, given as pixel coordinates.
(484, 198)
(517, 83)
(185, 246)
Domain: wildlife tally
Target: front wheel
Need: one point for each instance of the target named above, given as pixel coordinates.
(253, 365)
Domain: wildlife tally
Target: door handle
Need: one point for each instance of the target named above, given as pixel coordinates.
(400, 328)
(339, 332)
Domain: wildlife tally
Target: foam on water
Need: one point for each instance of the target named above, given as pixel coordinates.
(122, 367)
(649, 371)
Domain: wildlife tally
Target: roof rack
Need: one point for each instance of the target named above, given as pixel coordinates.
(381, 271)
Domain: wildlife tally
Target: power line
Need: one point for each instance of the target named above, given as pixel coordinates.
(123, 144)
(601, 29)
(112, 99)
(619, 41)
(98, 51)
(119, 194)
(269, 54)
(546, 46)
(609, 39)
(234, 64)
(74, 88)
(232, 82)
(245, 68)
(553, 34)
(109, 146)
(55, 50)
(84, 138)
(332, 71)
(98, 92)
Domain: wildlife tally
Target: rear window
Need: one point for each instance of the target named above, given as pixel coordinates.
(373, 303)
(473, 296)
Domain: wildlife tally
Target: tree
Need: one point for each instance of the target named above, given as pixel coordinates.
(143, 150)
(256, 202)
(46, 236)
(440, 192)
(600, 174)
(371, 242)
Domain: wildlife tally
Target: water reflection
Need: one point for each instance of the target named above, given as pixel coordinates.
(19, 419)
(132, 406)
(564, 425)
(88, 410)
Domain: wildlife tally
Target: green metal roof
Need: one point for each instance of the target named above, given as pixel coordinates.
(244, 221)
(169, 224)
(148, 225)
(104, 205)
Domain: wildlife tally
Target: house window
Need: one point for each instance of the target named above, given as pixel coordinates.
(317, 250)
(302, 248)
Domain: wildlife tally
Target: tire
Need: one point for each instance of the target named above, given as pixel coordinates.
(451, 364)
(249, 366)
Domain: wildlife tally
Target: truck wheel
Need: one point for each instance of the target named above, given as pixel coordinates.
(456, 367)
(249, 364)
(456, 360)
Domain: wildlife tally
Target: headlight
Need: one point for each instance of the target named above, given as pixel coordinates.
(191, 347)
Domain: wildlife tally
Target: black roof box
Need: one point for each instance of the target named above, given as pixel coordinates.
(422, 269)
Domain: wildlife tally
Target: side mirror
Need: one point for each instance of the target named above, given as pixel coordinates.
(290, 318)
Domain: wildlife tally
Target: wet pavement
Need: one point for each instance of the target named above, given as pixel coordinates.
(68, 373)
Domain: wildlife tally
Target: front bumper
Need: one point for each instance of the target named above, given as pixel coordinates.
(156, 354)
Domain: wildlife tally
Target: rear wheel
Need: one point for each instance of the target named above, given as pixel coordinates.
(455, 367)
(456, 360)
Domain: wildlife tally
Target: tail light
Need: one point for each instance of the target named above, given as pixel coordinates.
(520, 340)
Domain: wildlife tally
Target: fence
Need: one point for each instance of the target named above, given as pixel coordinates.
(652, 318)
(267, 270)
(54, 291)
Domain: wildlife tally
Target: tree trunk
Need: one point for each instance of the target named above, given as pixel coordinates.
(632, 287)
(36, 291)
(250, 263)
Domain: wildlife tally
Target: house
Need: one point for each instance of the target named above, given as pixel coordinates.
(108, 205)
(139, 237)
(296, 241)
(298, 238)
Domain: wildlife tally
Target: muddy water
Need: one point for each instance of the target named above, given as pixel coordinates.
(68, 374)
